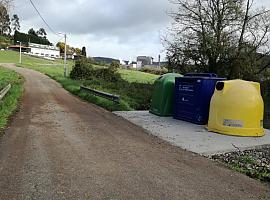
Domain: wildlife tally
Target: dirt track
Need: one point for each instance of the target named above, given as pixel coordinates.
(58, 147)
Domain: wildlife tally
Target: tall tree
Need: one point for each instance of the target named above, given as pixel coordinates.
(15, 23)
(84, 52)
(31, 31)
(221, 36)
(7, 3)
(78, 51)
(4, 21)
(42, 33)
(61, 46)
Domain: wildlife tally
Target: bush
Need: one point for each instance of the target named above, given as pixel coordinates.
(83, 69)
(153, 70)
(108, 74)
(135, 96)
(115, 64)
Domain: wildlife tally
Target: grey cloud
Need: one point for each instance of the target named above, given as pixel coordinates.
(118, 28)
(107, 17)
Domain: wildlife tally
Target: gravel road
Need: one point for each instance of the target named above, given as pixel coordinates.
(58, 147)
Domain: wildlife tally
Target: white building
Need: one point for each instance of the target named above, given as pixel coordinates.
(44, 50)
(145, 60)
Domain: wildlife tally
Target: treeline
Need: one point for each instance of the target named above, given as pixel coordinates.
(10, 27)
(26, 38)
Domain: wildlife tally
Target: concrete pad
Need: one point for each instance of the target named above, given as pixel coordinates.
(191, 137)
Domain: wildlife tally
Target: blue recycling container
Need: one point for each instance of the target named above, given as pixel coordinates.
(193, 94)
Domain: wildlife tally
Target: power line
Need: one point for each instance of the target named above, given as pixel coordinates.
(60, 39)
(43, 18)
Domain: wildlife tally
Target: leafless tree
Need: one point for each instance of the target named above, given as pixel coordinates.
(7, 3)
(230, 37)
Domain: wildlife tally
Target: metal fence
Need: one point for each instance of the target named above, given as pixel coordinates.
(114, 98)
(5, 91)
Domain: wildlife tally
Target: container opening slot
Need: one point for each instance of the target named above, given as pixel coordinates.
(220, 86)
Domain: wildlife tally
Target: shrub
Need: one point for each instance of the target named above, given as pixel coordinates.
(153, 70)
(135, 96)
(82, 70)
(115, 64)
(108, 74)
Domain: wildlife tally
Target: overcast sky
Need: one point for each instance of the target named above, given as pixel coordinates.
(111, 28)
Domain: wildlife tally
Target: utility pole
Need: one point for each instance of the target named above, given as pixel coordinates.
(20, 60)
(65, 59)
(65, 54)
(159, 65)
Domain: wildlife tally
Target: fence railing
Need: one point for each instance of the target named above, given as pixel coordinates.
(114, 98)
(4, 91)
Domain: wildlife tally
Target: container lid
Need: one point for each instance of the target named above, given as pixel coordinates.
(209, 75)
(200, 78)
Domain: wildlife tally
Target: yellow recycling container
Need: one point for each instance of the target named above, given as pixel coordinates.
(237, 109)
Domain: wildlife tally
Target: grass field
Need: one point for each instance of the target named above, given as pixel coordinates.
(9, 104)
(132, 98)
(56, 68)
(135, 76)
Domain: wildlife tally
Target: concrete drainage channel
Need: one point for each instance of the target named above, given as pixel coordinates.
(191, 137)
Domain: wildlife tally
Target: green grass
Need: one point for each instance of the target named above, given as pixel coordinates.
(135, 89)
(259, 173)
(9, 103)
(252, 163)
(137, 76)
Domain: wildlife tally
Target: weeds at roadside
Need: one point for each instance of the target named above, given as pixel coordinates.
(9, 103)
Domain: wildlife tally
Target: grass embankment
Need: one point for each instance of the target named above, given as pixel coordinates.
(9, 103)
(131, 97)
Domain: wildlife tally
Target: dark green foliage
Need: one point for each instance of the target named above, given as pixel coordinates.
(265, 88)
(156, 71)
(41, 33)
(31, 31)
(33, 38)
(15, 23)
(83, 69)
(84, 52)
(115, 64)
(136, 96)
(108, 74)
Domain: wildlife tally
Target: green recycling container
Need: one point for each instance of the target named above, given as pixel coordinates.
(162, 101)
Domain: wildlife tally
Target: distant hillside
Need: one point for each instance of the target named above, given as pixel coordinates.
(104, 60)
